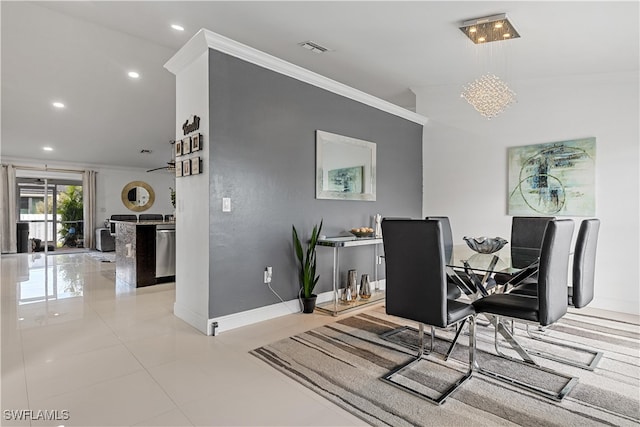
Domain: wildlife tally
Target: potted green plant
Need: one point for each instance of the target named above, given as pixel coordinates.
(307, 261)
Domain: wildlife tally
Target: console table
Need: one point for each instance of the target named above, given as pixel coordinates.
(336, 306)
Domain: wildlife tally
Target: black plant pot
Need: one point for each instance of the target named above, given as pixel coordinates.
(309, 304)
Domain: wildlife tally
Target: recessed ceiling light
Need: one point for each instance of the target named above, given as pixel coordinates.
(133, 74)
(47, 148)
(58, 104)
(177, 27)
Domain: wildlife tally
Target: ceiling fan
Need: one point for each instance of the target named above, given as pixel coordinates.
(171, 164)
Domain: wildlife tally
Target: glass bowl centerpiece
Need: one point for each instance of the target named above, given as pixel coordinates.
(485, 245)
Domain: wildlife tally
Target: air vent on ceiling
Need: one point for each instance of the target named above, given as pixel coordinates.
(314, 47)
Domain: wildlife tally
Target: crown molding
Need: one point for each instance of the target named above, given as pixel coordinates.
(192, 49)
(79, 167)
(205, 39)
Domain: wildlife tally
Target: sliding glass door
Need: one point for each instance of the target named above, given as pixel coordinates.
(53, 208)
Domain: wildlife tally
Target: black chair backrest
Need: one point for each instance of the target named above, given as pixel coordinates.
(584, 262)
(553, 272)
(447, 235)
(125, 217)
(528, 231)
(151, 217)
(416, 281)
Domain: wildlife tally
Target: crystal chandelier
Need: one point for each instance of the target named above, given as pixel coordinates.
(489, 95)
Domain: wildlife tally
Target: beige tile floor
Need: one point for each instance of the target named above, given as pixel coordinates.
(73, 340)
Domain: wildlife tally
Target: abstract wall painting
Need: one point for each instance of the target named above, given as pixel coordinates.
(346, 180)
(556, 179)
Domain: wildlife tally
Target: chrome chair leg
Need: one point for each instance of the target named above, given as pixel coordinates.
(388, 378)
(455, 340)
(571, 382)
(499, 328)
(528, 361)
(473, 363)
(433, 339)
(590, 366)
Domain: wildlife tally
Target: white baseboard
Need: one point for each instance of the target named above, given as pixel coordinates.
(627, 306)
(194, 319)
(249, 317)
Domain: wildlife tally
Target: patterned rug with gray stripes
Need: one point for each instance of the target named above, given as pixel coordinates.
(345, 360)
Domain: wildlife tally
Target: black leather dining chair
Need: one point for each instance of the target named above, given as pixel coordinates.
(583, 270)
(526, 232)
(584, 264)
(453, 288)
(549, 305)
(580, 293)
(151, 217)
(416, 289)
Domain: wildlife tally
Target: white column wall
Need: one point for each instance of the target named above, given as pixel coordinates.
(465, 163)
(192, 200)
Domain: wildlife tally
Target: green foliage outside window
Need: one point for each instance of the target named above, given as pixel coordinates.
(70, 211)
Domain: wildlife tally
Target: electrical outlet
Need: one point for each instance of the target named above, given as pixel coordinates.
(268, 273)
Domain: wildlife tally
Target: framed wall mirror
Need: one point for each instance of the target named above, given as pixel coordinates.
(345, 167)
(138, 196)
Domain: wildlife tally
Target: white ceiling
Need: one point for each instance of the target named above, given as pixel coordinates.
(79, 52)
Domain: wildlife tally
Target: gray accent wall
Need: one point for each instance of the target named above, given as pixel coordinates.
(262, 156)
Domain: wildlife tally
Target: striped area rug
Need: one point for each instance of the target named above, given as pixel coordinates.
(344, 361)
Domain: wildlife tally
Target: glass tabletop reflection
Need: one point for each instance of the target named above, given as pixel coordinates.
(508, 260)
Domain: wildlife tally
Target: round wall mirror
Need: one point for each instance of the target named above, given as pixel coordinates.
(138, 196)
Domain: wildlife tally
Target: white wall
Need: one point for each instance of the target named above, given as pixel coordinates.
(192, 197)
(465, 161)
(111, 181)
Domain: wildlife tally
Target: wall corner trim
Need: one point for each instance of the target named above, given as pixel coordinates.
(194, 319)
(205, 39)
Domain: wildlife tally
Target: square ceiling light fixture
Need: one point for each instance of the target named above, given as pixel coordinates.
(489, 29)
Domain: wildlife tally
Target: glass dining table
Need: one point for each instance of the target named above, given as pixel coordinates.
(516, 264)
